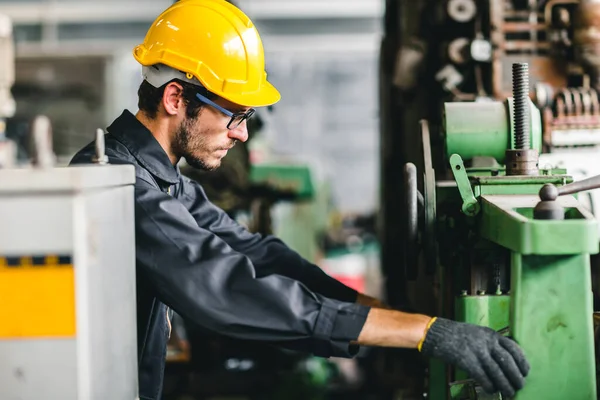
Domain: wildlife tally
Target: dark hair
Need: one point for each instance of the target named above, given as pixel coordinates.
(150, 97)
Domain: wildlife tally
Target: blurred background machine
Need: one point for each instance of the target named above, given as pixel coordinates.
(8, 149)
(472, 248)
(67, 269)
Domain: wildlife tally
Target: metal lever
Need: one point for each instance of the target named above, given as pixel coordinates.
(579, 186)
(547, 208)
(470, 204)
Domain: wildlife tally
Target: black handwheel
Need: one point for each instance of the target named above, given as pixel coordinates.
(411, 206)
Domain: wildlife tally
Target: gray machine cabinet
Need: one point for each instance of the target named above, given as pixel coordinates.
(56, 223)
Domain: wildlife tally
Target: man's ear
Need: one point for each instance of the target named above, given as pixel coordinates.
(172, 99)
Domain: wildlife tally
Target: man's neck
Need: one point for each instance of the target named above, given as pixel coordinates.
(160, 130)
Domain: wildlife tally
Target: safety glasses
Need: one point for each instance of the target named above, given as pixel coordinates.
(235, 118)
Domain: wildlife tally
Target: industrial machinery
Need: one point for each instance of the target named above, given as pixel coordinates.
(447, 68)
(440, 51)
(446, 90)
(67, 278)
(505, 250)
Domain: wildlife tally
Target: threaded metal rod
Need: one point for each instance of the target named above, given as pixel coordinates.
(520, 76)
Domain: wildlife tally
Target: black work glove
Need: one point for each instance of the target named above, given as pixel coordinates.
(494, 361)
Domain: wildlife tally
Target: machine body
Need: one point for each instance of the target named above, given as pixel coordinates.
(499, 260)
(67, 283)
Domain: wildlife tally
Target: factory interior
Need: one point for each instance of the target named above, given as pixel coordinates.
(441, 157)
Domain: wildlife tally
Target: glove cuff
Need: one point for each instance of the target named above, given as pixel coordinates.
(439, 332)
(420, 344)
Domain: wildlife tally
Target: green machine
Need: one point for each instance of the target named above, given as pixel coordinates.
(507, 245)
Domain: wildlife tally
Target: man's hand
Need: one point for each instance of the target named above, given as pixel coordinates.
(494, 361)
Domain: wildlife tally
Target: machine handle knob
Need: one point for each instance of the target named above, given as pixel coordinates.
(549, 192)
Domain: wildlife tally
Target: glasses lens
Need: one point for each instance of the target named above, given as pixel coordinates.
(237, 119)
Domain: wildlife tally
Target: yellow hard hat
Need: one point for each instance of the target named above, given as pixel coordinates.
(214, 42)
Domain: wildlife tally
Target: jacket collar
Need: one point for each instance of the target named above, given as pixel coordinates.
(128, 130)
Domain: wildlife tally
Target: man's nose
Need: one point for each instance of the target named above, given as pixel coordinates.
(240, 133)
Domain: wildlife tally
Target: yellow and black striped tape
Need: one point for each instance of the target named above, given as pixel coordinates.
(37, 296)
(64, 261)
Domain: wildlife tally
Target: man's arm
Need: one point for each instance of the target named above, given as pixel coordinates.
(269, 255)
(390, 328)
(206, 281)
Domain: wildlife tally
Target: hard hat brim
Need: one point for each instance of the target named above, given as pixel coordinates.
(268, 95)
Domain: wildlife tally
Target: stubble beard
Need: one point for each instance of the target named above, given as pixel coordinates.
(188, 144)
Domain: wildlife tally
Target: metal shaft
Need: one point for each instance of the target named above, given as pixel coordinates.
(580, 186)
(520, 75)
(549, 192)
(100, 157)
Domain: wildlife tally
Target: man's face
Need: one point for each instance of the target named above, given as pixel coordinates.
(203, 141)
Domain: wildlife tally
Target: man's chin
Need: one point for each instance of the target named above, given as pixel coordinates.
(203, 164)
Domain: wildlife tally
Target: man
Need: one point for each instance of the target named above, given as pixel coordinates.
(203, 68)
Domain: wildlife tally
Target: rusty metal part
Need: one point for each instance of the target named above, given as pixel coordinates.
(516, 27)
(543, 66)
(525, 45)
(578, 106)
(496, 16)
(565, 95)
(595, 102)
(553, 3)
(561, 111)
(519, 14)
(587, 36)
(522, 162)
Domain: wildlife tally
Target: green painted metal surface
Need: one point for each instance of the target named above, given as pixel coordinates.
(521, 180)
(550, 308)
(552, 320)
(492, 311)
(508, 221)
(300, 224)
(470, 205)
(292, 178)
(489, 310)
(438, 387)
(482, 129)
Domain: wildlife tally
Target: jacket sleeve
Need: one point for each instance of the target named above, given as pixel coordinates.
(205, 280)
(268, 254)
